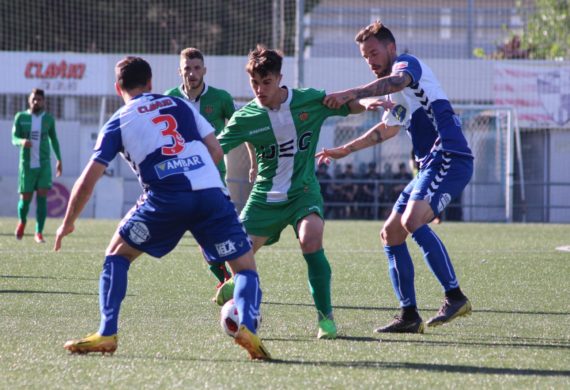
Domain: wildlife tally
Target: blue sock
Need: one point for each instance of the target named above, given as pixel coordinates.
(112, 291)
(401, 270)
(247, 297)
(436, 257)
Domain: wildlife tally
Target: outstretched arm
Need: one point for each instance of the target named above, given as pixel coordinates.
(382, 86)
(80, 195)
(374, 136)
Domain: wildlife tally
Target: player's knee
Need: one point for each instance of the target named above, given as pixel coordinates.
(310, 244)
(411, 222)
(392, 235)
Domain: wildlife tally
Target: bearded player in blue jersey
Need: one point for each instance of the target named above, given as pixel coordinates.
(446, 166)
(173, 151)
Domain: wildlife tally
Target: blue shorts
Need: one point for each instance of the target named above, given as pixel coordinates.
(439, 183)
(158, 221)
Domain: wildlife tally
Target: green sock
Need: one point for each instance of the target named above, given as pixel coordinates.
(220, 271)
(319, 272)
(23, 208)
(41, 213)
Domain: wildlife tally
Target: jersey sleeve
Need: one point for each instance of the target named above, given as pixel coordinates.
(53, 139)
(231, 136)
(343, 110)
(408, 64)
(109, 142)
(229, 106)
(400, 113)
(17, 132)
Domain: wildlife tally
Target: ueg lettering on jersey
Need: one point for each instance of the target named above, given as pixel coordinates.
(178, 165)
(155, 105)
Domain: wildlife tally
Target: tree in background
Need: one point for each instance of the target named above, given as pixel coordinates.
(217, 27)
(547, 34)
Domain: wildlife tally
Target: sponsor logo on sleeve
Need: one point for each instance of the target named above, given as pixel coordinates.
(178, 165)
(399, 112)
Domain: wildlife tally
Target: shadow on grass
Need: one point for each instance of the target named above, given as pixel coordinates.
(334, 306)
(450, 368)
(45, 292)
(395, 309)
(428, 367)
(312, 338)
(42, 277)
(556, 345)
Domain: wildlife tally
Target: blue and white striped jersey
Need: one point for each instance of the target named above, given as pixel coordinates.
(433, 125)
(160, 137)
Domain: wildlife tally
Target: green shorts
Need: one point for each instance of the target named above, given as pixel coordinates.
(269, 219)
(32, 179)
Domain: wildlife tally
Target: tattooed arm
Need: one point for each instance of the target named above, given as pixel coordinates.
(383, 86)
(375, 135)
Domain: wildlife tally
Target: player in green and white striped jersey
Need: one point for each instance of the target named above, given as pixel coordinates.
(284, 126)
(34, 132)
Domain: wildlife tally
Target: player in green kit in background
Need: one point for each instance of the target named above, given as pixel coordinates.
(34, 132)
(284, 126)
(214, 104)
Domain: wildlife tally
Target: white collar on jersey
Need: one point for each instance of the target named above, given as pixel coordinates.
(42, 113)
(181, 88)
(286, 102)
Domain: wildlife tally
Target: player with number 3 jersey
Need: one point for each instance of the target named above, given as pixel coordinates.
(173, 151)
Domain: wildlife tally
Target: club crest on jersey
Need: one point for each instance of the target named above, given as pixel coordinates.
(303, 116)
(226, 248)
(399, 112)
(178, 165)
(139, 233)
(208, 109)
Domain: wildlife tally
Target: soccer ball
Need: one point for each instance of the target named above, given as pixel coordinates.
(229, 319)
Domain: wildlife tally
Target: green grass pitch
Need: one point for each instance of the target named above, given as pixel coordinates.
(518, 335)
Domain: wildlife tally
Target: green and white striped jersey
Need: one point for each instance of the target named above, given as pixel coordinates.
(285, 141)
(40, 130)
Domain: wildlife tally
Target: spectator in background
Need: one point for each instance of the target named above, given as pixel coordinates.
(325, 181)
(370, 191)
(34, 132)
(349, 190)
(404, 177)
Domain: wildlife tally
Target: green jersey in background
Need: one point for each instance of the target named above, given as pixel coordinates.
(40, 130)
(216, 105)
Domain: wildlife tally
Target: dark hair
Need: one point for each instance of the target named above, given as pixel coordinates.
(191, 53)
(376, 30)
(264, 61)
(38, 91)
(132, 72)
